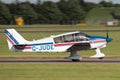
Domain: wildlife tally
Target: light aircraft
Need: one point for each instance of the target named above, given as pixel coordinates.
(66, 42)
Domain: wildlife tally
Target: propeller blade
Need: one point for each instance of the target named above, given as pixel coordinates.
(107, 35)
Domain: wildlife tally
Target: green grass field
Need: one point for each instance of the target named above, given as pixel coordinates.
(59, 71)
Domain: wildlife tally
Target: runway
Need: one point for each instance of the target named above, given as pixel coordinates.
(59, 61)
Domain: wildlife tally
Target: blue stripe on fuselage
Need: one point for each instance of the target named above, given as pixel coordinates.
(96, 37)
(40, 44)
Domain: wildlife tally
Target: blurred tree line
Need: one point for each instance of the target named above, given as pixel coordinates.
(62, 12)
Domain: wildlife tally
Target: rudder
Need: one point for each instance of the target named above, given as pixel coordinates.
(14, 38)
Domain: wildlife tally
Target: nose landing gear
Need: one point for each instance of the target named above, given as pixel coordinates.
(98, 54)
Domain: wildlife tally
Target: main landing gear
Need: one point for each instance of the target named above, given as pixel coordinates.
(74, 56)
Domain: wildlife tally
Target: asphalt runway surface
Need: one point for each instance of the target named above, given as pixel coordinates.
(112, 60)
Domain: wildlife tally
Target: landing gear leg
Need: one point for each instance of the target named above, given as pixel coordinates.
(74, 56)
(98, 54)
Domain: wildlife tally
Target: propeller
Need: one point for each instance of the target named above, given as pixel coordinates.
(107, 36)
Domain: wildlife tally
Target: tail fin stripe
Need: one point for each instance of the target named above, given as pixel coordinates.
(8, 38)
(11, 38)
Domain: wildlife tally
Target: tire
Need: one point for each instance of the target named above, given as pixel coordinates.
(75, 60)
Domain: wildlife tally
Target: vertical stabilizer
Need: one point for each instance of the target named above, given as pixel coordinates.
(14, 38)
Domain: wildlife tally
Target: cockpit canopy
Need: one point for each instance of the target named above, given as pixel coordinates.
(72, 37)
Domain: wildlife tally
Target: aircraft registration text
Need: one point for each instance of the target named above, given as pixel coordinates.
(44, 47)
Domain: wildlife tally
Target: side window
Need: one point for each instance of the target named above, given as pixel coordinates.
(58, 40)
(68, 38)
(81, 37)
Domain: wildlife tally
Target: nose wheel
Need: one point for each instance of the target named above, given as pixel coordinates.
(100, 57)
(98, 54)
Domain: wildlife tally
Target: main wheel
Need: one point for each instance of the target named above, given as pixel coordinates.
(75, 60)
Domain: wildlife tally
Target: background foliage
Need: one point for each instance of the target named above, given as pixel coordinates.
(48, 11)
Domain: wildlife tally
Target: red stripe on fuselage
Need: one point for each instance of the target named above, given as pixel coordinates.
(65, 44)
(97, 41)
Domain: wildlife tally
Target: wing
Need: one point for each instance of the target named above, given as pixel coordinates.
(79, 46)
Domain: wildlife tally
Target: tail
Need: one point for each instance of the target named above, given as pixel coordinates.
(14, 38)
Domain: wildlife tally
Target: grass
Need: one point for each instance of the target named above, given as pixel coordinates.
(59, 71)
(55, 28)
